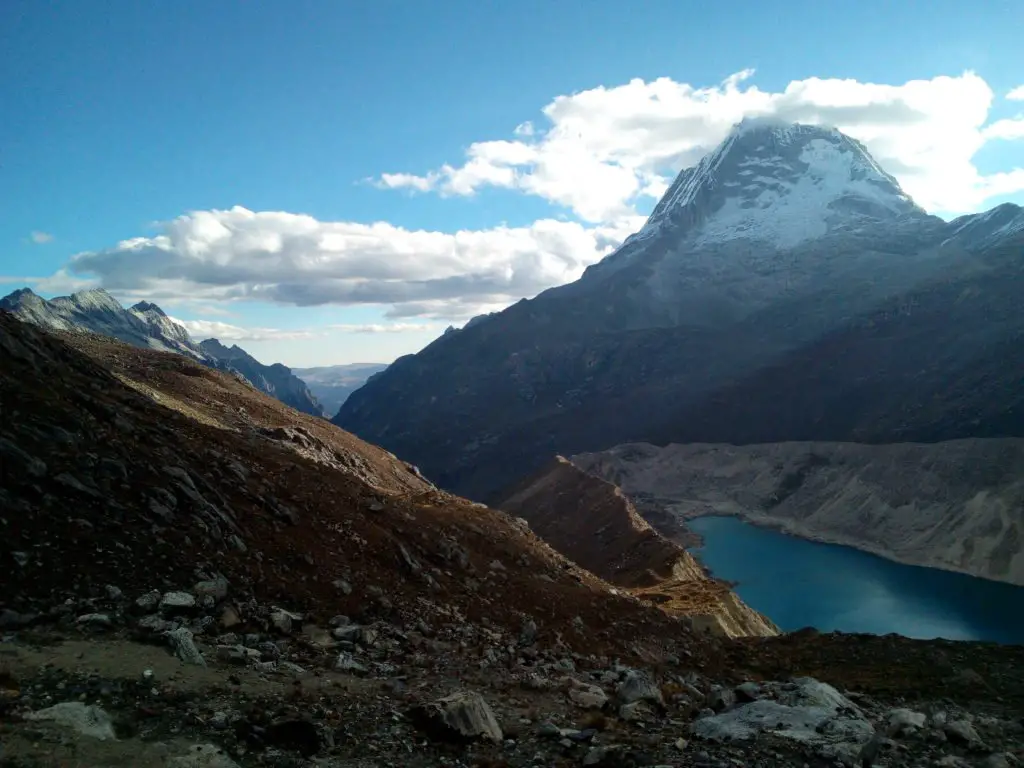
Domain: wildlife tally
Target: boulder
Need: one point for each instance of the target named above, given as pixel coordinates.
(587, 696)
(805, 711)
(176, 602)
(639, 687)
(461, 717)
(88, 720)
(904, 721)
(203, 756)
(184, 647)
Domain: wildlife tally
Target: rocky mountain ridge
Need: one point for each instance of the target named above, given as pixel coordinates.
(682, 317)
(146, 325)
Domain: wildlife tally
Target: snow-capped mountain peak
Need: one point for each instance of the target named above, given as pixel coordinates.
(781, 184)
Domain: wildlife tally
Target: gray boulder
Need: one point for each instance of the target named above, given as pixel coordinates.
(460, 717)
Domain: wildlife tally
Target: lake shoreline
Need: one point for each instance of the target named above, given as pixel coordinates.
(798, 582)
(788, 528)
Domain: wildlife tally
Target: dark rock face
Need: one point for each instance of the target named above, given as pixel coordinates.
(784, 289)
(145, 325)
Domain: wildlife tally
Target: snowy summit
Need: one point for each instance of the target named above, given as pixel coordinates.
(781, 184)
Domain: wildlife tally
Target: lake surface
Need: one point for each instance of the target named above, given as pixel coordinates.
(799, 583)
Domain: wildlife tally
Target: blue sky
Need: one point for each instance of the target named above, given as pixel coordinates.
(329, 182)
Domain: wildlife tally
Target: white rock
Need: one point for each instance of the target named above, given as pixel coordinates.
(905, 721)
(177, 601)
(347, 663)
(464, 715)
(203, 756)
(184, 647)
(806, 711)
(962, 731)
(587, 696)
(88, 720)
(638, 687)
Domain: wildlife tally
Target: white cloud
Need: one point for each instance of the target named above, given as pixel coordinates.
(608, 150)
(1009, 129)
(214, 329)
(288, 258)
(6, 279)
(1017, 94)
(41, 238)
(383, 327)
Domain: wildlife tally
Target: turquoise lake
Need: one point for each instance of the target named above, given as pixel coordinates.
(799, 583)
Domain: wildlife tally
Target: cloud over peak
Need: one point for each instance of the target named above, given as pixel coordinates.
(610, 150)
(604, 154)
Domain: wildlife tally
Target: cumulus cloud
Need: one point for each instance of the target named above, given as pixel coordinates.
(1017, 94)
(214, 329)
(40, 238)
(288, 258)
(1009, 129)
(609, 150)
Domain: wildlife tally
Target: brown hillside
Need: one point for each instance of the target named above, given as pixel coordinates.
(142, 469)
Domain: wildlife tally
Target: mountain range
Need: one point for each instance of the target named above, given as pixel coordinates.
(784, 288)
(146, 325)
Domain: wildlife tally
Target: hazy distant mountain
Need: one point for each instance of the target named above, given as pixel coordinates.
(146, 325)
(332, 384)
(731, 313)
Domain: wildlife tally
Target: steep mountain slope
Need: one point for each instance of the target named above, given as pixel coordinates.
(780, 238)
(590, 521)
(145, 325)
(957, 505)
(135, 468)
(941, 362)
(276, 380)
(332, 384)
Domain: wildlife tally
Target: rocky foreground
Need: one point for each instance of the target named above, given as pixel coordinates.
(200, 679)
(194, 575)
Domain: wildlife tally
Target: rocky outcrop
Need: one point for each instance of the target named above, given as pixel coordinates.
(784, 289)
(957, 505)
(591, 522)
